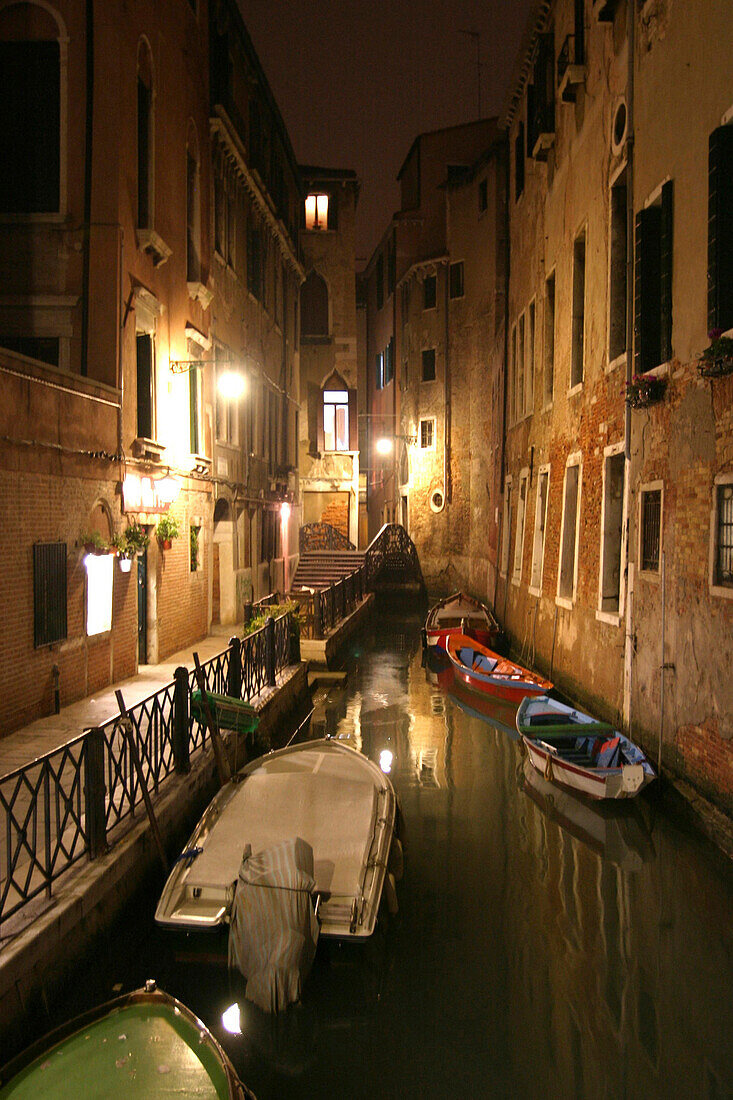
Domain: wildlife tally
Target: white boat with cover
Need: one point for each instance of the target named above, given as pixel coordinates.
(322, 792)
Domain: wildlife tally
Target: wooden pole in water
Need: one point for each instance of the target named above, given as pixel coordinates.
(135, 757)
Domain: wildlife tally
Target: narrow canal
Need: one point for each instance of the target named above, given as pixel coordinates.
(543, 948)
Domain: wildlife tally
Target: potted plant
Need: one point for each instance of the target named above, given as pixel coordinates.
(717, 359)
(644, 390)
(94, 543)
(167, 530)
(131, 542)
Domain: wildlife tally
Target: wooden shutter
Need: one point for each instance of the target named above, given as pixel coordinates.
(666, 260)
(720, 228)
(144, 344)
(646, 290)
(315, 419)
(49, 593)
(353, 422)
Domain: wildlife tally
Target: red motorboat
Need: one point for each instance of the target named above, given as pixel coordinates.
(486, 673)
(460, 614)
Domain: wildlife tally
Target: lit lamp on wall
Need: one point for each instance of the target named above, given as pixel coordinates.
(231, 381)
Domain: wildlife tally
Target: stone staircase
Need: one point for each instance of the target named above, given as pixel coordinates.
(321, 568)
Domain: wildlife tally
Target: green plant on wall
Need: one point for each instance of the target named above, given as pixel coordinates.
(194, 542)
(132, 541)
(94, 543)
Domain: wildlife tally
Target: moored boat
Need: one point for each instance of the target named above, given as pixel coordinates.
(570, 747)
(142, 1044)
(460, 614)
(324, 793)
(486, 673)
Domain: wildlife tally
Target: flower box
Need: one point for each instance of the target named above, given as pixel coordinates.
(645, 390)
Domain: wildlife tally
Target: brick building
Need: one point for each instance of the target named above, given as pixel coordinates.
(147, 219)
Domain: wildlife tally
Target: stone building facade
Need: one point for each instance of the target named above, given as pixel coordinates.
(615, 556)
(328, 455)
(122, 298)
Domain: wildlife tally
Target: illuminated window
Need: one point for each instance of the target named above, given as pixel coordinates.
(99, 592)
(336, 420)
(316, 212)
(427, 435)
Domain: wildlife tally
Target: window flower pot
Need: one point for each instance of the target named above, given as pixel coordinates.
(125, 565)
(717, 360)
(645, 390)
(166, 543)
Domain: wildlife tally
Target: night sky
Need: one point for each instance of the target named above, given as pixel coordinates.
(357, 80)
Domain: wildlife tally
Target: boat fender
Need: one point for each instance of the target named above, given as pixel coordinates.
(396, 860)
(390, 893)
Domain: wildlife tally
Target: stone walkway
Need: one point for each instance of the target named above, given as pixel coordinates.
(46, 734)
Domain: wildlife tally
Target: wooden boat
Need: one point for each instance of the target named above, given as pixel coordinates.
(143, 1044)
(490, 710)
(324, 793)
(486, 673)
(460, 614)
(571, 748)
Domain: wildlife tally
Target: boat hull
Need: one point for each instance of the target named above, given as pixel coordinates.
(457, 614)
(325, 793)
(489, 674)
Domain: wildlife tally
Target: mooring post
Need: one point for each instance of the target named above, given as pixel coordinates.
(95, 792)
(234, 676)
(181, 756)
(270, 650)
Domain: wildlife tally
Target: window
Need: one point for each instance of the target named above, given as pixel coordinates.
(723, 535)
(529, 364)
(389, 361)
(519, 162)
(145, 352)
(483, 196)
(720, 228)
(30, 114)
(506, 524)
(225, 217)
(144, 151)
(512, 381)
(521, 515)
(617, 271)
(193, 217)
(519, 373)
(314, 306)
(194, 545)
(391, 266)
(227, 408)
(456, 280)
(49, 593)
(578, 335)
(653, 283)
(380, 280)
(427, 434)
(255, 278)
(430, 291)
(336, 420)
(650, 506)
(540, 522)
(567, 576)
(195, 405)
(316, 212)
(549, 329)
(428, 365)
(379, 370)
(614, 469)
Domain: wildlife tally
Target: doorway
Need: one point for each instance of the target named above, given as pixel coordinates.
(142, 608)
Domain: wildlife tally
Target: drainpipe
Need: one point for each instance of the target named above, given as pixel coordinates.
(629, 570)
(88, 146)
(446, 391)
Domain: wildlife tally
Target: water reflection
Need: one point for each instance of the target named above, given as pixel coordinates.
(539, 951)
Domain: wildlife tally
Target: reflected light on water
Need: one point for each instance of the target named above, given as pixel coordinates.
(385, 761)
(231, 1021)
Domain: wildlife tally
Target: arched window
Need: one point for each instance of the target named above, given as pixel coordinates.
(31, 109)
(145, 135)
(314, 306)
(193, 209)
(338, 415)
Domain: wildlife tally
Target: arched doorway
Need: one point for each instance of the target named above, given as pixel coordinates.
(223, 591)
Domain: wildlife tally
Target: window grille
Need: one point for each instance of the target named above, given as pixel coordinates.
(724, 556)
(49, 593)
(651, 515)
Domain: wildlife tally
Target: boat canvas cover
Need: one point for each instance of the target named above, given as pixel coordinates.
(274, 930)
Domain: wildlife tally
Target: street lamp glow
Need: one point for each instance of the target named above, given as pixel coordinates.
(384, 446)
(285, 511)
(231, 384)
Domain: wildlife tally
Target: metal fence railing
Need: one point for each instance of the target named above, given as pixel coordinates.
(321, 610)
(63, 806)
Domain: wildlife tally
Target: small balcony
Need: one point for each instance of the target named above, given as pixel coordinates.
(570, 69)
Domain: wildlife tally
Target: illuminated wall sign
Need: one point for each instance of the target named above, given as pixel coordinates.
(143, 494)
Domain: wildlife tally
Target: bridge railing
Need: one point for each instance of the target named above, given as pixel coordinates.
(322, 536)
(321, 609)
(64, 805)
(391, 558)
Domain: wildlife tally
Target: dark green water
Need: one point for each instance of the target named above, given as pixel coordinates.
(542, 948)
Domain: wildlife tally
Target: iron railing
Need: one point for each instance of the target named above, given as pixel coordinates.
(321, 610)
(64, 805)
(391, 558)
(322, 536)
